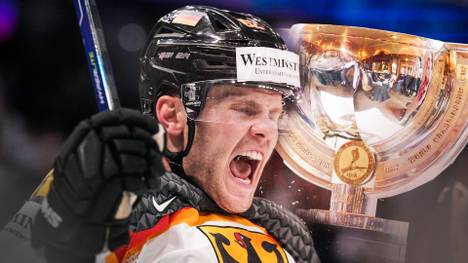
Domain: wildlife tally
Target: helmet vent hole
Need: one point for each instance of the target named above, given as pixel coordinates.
(215, 63)
(219, 26)
(219, 23)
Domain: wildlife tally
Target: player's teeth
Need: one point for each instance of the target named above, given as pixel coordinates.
(252, 155)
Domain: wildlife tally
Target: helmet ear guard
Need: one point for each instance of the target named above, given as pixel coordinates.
(193, 99)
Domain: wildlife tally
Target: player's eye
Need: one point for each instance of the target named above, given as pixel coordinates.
(248, 111)
(245, 110)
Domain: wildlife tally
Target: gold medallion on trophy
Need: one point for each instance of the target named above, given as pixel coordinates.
(354, 163)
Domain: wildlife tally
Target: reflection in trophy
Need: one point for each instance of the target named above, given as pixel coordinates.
(382, 113)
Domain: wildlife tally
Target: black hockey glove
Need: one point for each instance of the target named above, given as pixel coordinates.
(105, 161)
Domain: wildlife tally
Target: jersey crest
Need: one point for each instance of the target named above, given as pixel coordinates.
(233, 244)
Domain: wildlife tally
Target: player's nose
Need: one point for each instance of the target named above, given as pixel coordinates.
(264, 128)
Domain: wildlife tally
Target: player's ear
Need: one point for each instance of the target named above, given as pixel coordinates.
(171, 115)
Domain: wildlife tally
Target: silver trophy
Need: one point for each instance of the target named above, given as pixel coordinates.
(381, 114)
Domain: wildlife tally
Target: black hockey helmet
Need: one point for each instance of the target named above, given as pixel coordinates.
(197, 44)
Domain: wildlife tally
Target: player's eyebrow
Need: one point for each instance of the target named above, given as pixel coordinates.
(250, 103)
(243, 92)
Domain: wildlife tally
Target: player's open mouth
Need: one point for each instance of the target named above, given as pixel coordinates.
(244, 165)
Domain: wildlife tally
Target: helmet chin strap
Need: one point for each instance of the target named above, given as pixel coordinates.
(176, 158)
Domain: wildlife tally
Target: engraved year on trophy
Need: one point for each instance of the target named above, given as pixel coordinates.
(381, 114)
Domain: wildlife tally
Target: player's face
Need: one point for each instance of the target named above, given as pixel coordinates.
(227, 158)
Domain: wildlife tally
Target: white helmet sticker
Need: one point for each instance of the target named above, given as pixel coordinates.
(268, 65)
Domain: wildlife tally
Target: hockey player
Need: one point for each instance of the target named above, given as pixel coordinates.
(213, 86)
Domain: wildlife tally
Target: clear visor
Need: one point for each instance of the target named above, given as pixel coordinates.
(232, 102)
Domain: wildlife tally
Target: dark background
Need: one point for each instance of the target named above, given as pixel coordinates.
(45, 90)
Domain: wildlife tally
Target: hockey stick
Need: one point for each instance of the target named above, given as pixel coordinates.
(98, 62)
(97, 55)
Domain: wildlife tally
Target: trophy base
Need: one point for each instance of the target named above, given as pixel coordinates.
(345, 237)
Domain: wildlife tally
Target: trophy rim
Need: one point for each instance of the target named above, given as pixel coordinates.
(377, 34)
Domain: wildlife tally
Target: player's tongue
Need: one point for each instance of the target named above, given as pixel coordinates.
(240, 167)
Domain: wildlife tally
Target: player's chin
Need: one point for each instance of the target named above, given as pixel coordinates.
(234, 203)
